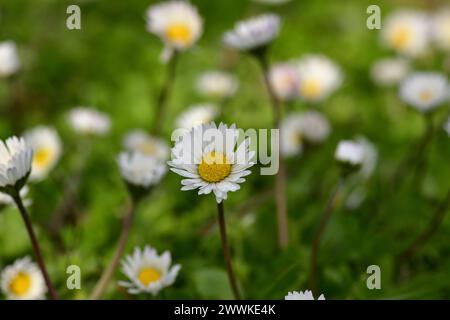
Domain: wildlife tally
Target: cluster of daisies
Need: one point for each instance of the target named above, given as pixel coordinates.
(220, 166)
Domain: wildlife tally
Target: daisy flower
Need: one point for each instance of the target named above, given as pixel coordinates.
(47, 148)
(424, 91)
(217, 85)
(148, 272)
(254, 33)
(306, 295)
(350, 153)
(197, 115)
(291, 136)
(407, 32)
(86, 120)
(9, 59)
(441, 29)
(284, 81)
(210, 160)
(390, 71)
(23, 281)
(318, 76)
(15, 164)
(314, 127)
(139, 169)
(177, 23)
(140, 141)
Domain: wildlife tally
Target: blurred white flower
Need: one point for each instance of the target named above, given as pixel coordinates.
(148, 272)
(425, 91)
(306, 295)
(177, 23)
(291, 139)
(139, 169)
(441, 28)
(319, 77)
(314, 126)
(86, 120)
(370, 156)
(350, 152)
(15, 163)
(138, 140)
(284, 81)
(217, 85)
(253, 33)
(9, 59)
(23, 281)
(390, 71)
(47, 149)
(407, 32)
(197, 115)
(217, 166)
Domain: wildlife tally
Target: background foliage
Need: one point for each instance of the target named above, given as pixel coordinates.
(112, 64)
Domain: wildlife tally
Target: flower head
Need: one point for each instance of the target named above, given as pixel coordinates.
(47, 148)
(284, 80)
(9, 59)
(319, 77)
(217, 85)
(210, 160)
(407, 32)
(140, 141)
(139, 169)
(177, 23)
(15, 164)
(441, 29)
(254, 33)
(197, 115)
(425, 91)
(350, 153)
(148, 272)
(391, 71)
(23, 281)
(86, 120)
(306, 295)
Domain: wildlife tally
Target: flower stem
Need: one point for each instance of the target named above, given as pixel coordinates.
(433, 226)
(280, 179)
(35, 244)
(164, 94)
(226, 251)
(320, 231)
(109, 272)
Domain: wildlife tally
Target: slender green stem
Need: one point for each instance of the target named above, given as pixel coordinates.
(164, 94)
(280, 179)
(109, 272)
(226, 252)
(325, 219)
(35, 244)
(433, 226)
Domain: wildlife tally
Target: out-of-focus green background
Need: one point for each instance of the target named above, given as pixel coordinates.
(112, 63)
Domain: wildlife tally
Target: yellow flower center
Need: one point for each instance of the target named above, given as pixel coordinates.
(310, 89)
(425, 95)
(147, 148)
(214, 167)
(179, 33)
(20, 284)
(149, 275)
(401, 37)
(42, 157)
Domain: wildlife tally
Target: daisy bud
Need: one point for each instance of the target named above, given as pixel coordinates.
(88, 121)
(140, 172)
(15, 165)
(9, 59)
(350, 154)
